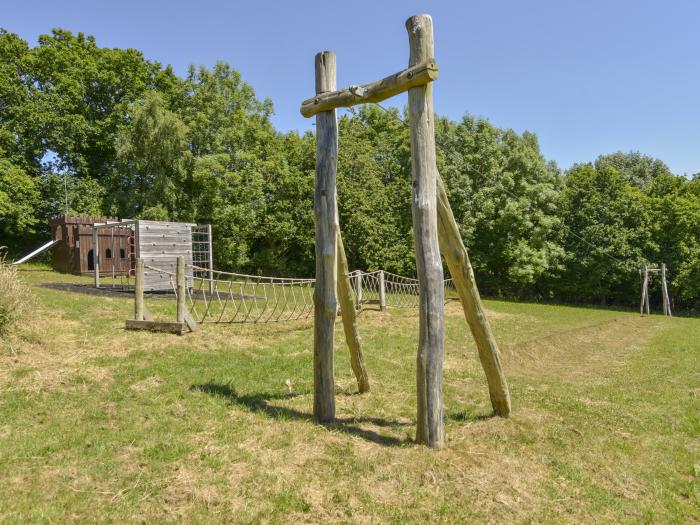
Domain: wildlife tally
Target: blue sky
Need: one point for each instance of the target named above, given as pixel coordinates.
(588, 77)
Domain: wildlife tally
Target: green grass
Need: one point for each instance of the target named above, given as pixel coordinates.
(102, 425)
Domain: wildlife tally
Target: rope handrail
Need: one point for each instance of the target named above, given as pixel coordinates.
(215, 296)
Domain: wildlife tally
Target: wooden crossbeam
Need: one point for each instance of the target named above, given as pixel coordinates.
(376, 91)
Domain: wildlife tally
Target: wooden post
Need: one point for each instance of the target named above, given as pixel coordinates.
(96, 255)
(211, 259)
(641, 300)
(430, 426)
(349, 313)
(358, 287)
(664, 291)
(325, 301)
(646, 290)
(181, 289)
(138, 291)
(382, 291)
(457, 257)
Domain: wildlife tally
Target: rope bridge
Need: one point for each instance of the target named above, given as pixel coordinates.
(226, 297)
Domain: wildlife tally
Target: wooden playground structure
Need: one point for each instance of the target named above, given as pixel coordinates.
(435, 232)
(646, 273)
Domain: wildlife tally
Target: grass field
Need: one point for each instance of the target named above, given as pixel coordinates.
(102, 425)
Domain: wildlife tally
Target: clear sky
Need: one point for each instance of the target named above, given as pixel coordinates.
(588, 77)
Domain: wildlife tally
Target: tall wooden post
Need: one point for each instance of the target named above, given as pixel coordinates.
(138, 291)
(211, 259)
(96, 255)
(181, 289)
(349, 313)
(457, 257)
(325, 302)
(646, 290)
(644, 287)
(430, 426)
(664, 291)
(382, 291)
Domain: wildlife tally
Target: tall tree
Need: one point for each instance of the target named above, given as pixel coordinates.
(152, 162)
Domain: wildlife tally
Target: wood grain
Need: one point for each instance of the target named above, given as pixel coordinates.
(325, 301)
(430, 426)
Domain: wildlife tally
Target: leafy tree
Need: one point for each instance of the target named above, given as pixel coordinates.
(152, 161)
(504, 196)
(19, 197)
(609, 235)
(634, 168)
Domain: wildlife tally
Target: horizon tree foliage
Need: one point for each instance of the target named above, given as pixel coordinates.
(124, 136)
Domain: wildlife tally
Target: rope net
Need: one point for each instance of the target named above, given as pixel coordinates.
(227, 297)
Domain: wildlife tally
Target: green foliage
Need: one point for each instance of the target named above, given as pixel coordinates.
(609, 234)
(152, 160)
(504, 196)
(124, 136)
(19, 198)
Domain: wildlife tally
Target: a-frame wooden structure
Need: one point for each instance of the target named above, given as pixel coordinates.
(435, 232)
(646, 274)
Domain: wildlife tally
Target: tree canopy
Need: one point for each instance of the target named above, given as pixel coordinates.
(93, 130)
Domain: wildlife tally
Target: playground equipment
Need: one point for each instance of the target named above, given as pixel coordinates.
(435, 230)
(646, 274)
(235, 298)
(157, 243)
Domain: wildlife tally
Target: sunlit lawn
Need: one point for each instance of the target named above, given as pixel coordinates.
(98, 424)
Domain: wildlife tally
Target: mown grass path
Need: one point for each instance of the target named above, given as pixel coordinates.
(101, 425)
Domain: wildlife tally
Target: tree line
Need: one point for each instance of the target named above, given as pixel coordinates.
(123, 136)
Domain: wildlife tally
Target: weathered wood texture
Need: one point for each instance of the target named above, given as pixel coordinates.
(191, 322)
(430, 426)
(210, 257)
(664, 291)
(138, 291)
(181, 290)
(325, 301)
(96, 257)
(646, 289)
(455, 253)
(159, 244)
(348, 311)
(156, 326)
(382, 291)
(417, 75)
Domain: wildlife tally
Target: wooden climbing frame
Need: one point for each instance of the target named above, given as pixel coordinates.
(435, 231)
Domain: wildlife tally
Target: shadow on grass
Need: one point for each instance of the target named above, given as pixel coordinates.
(89, 289)
(259, 403)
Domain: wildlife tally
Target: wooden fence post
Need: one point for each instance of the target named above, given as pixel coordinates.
(96, 255)
(138, 291)
(212, 287)
(457, 257)
(430, 426)
(382, 291)
(349, 313)
(181, 289)
(358, 287)
(325, 301)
